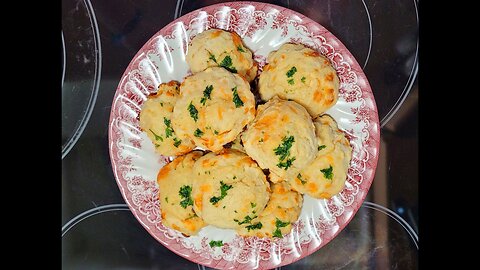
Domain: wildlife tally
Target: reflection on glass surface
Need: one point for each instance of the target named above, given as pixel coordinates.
(81, 69)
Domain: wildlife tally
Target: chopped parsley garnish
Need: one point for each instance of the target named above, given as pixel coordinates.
(321, 147)
(279, 224)
(215, 132)
(253, 204)
(176, 142)
(169, 129)
(223, 192)
(236, 98)
(166, 199)
(283, 150)
(193, 111)
(328, 172)
(218, 243)
(185, 193)
(234, 177)
(246, 219)
(255, 226)
(206, 94)
(291, 81)
(261, 140)
(240, 49)
(303, 79)
(299, 176)
(227, 64)
(192, 216)
(286, 164)
(211, 56)
(198, 133)
(277, 233)
(157, 138)
(291, 72)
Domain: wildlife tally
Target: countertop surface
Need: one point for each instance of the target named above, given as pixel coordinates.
(99, 39)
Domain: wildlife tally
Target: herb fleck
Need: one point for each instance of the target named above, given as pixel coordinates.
(283, 150)
(328, 172)
(176, 142)
(206, 94)
(291, 81)
(291, 72)
(211, 56)
(286, 164)
(192, 216)
(223, 192)
(279, 224)
(246, 219)
(255, 226)
(169, 129)
(299, 176)
(253, 204)
(157, 138)
(240, 49)
(198, 133)
(227, 64)
(215, 132)
(166, 199)
(236, 98)
(303, 79)
(185, 193)
(193, 111)
(321, 147)
(218, 243)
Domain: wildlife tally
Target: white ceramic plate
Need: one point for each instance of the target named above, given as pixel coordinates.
(264, 28)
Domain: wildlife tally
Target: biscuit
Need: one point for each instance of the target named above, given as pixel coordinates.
(215, 47)
(230, 189)
(175, 187)
(326, 175)
(281, 138)
(298, 73)
(213, 108)
(155, 121)
(281, 212)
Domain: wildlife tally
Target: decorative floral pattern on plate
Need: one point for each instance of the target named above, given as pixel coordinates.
(264, 28)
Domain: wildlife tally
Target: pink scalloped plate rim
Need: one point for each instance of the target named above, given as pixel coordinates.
(264, 27)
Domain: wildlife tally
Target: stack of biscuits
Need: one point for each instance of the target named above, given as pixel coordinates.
(240, 164)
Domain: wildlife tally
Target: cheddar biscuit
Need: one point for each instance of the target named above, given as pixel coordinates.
(213, 108)
(326, 175)
(281, 138)
(230, 189)
(175, 184)
(155, 120)
(281, 212)
(215, 47)
(301, 74)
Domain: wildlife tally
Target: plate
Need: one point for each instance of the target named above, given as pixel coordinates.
(264, 28)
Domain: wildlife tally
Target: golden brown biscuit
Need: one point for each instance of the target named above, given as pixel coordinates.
(155, 121)
(175, 187)
(281, 212)
(231, 189)
(301, 74)
(281, 138)
(326, 175)
(215, 47)
(213, 108)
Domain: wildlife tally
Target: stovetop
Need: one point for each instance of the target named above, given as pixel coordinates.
(99, 39)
